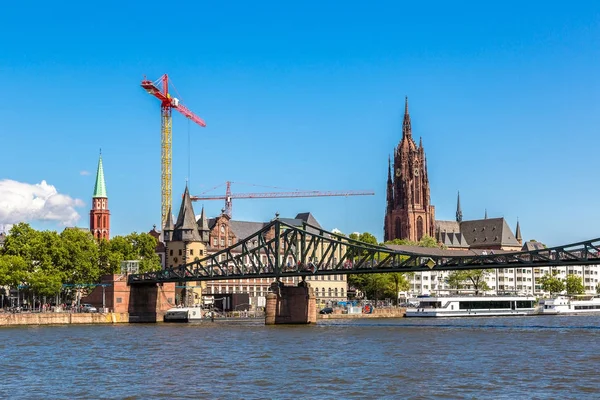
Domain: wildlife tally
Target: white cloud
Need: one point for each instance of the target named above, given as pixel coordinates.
(84, 173)
(25, 202)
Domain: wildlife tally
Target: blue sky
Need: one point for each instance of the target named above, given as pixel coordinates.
(309, 96)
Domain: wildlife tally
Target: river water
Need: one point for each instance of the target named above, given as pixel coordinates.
(500, 358)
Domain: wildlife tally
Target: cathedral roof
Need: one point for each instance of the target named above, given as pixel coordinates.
(100, 187)
(488, 232)
(452, 239)
(447, 226)
(531, 245)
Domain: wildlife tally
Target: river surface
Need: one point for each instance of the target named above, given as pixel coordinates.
(500, 358)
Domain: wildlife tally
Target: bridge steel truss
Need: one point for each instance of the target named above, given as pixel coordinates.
(283, 250)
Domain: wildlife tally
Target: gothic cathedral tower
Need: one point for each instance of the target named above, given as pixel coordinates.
(99, 214)
(409, 213)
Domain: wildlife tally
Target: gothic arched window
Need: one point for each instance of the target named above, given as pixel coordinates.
(398, 229)
(417, 190)
(419, 228)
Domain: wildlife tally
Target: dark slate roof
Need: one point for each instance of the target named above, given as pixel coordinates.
(185, 227)
(530, 246)
(309, 219)
(243, 229)
(452, 239)
(169, 222)
(483, 233)
(432, 251)
(447, 226)
(202, 222)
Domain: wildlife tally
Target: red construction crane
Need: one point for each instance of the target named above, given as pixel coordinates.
(228, 197)
(166, 104)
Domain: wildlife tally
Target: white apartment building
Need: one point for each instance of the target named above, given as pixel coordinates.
(513, 280)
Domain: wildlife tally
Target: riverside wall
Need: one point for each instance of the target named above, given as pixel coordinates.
(377, 313)
(50, 318)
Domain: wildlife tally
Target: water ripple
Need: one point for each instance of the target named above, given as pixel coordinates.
(504, 358)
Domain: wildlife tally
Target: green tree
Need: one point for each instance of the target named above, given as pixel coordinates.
(574, 285)
(46, 282)
(598, 288)
(551, 283)
(475, 277)
(13, 270)
(135, 246)
(400, 282)
(455, 280)
(81, 261)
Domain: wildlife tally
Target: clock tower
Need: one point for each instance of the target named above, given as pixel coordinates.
(409, 214)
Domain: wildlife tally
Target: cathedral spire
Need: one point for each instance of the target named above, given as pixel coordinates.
(390, 187)
(518, 234)
(406, 127)
(458, 209)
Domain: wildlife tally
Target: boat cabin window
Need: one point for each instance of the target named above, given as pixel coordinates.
(430, 304)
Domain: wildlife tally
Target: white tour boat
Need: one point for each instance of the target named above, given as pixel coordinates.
(184, 314)
(580, 304)
(472, 306)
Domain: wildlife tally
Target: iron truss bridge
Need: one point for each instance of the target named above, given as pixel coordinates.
(280, 249)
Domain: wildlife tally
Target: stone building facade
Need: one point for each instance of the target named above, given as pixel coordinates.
(190, 239)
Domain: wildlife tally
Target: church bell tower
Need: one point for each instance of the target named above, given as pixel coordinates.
(409, 213)
(99, 214)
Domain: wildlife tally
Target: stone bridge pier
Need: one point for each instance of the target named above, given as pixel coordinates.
(291, 304)
(148, 303)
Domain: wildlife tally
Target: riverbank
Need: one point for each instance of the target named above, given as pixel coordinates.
(51, 318)
(377, 313)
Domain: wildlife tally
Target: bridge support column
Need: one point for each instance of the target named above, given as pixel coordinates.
(148, 303)
(291, 305)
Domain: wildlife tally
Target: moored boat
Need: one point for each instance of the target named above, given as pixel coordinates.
(183, 314)
(473, 306)
(580, 304)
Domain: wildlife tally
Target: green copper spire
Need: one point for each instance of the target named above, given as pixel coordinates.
(100, 187)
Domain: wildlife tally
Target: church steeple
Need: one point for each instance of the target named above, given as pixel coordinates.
(518, 233)
(100, 187)
(406, 126)
(99, 214)
(458, 209)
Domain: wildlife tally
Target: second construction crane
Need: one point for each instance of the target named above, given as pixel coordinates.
(228, 197)
(167, 103)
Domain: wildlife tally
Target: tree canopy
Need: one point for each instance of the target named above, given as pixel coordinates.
(473, 277)
(389, 284)
(574, 285)
(44, 261)
(551, 283)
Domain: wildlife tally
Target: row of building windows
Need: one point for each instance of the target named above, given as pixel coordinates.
(263, 290)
